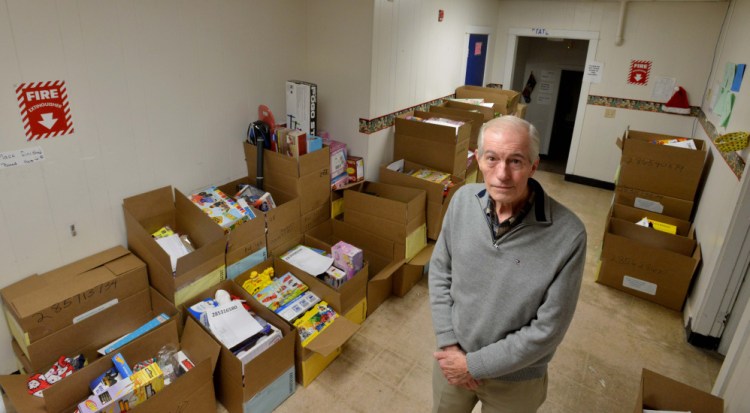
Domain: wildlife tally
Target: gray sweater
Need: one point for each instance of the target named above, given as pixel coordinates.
(507, 304)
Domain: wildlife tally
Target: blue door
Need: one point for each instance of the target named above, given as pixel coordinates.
(475, 60)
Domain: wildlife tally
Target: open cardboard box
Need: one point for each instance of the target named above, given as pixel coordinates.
(505, 101)
(349, 294)
(148, 212)
(40, 305)
(87, 336)
(381, 254)
(661, 204)
(473, 117)
(488, 113)
(439, 147)
(238, 382)
(671, 171)
(193, 391)
(437, 202)
(390, 211)
(647, 263)
(324, 348)
(659, 392)
(634, 215)
(307, 177)
(246, 243)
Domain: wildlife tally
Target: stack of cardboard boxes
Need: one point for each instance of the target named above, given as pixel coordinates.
(657, 183)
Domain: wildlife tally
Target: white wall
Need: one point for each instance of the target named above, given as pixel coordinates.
(417, 59)
(160, 93)
(340, 63)
(663, 32)
(722, 189)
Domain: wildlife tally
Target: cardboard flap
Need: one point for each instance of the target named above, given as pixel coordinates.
(157, 202)
(200, 256)
(93, 261)
(172, 397)
(385, 274)
(63, 287)
(423, 257)
(15, 388)
(663, 393)
(198, 345)
(334, 336)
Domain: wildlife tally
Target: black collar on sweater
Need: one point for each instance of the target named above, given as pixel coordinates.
(540, 198)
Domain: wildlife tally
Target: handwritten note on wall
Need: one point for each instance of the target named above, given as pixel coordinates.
(21, 157)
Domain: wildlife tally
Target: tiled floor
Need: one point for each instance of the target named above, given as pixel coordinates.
(386, 367)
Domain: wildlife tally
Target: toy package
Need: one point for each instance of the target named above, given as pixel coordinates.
(258, 281)
(281, 291)
(348, 258)
(334, 277)
(257, 198)
(221, 208)
(314, 321)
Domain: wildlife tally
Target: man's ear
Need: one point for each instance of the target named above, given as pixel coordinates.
(534, 166)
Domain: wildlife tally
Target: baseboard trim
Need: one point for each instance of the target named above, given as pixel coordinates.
(590, 182)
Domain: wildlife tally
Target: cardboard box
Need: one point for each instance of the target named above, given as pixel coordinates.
(659, 392)
(327, 345)
(238, 382)
(412, 271)
(390, 211)
(437, 202)
(196, 271)
(337, 199)
(380, 253)
(661, 169)
(268, 399)
(474, 118)
(315, 217)
(649, 264)
(661, 204)
(358, 313)
(308, 177)
(438, 147)
(41, 305)
(301, 106)
(282, 223)
(342, 299)
(87, 336)
(246, 242)
(521, 110)
(488, 113)
(505, 100)
(634, 215)
(193, 391)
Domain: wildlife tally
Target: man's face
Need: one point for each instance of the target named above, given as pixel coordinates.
(506, 166)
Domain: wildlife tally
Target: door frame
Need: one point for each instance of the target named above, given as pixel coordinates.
(487, 61)
(510, 63)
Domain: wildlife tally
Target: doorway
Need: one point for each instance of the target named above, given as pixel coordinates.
(564, 121)
(547, 68)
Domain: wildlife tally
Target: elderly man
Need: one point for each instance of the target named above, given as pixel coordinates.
(504, 279)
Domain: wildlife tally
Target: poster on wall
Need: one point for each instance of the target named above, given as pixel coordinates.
(45, 111)
(639, 72)
(544, 99)
(593, 72)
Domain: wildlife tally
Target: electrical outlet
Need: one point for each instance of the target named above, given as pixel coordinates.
(609, 113)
